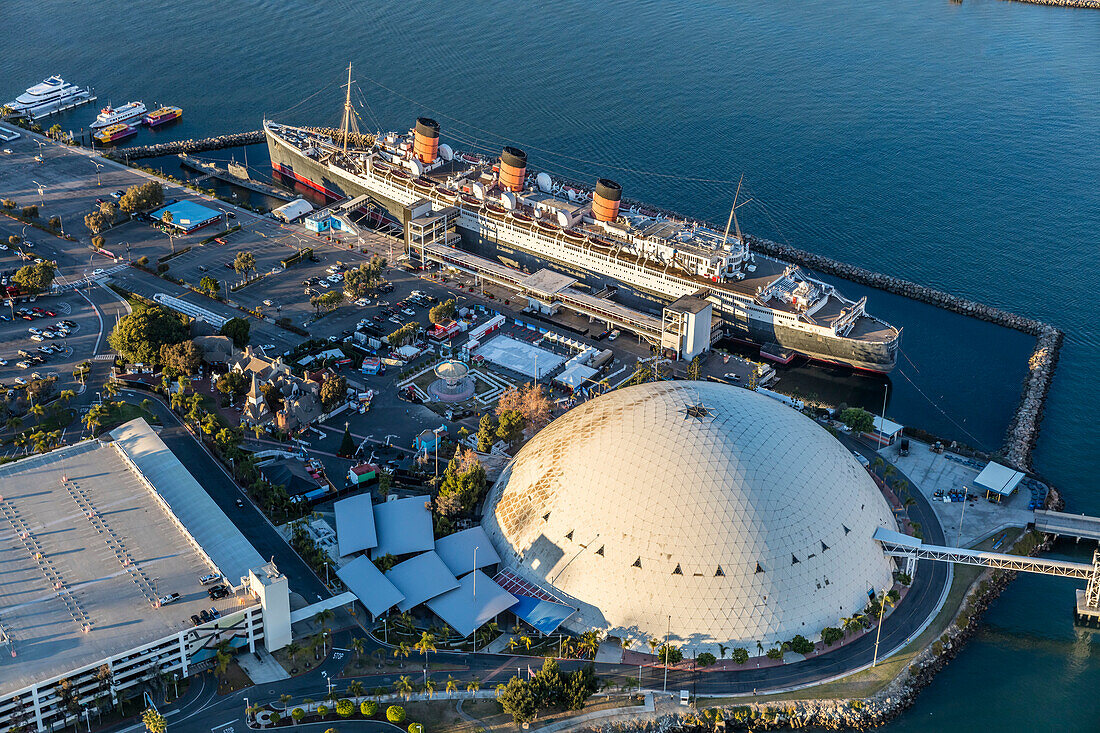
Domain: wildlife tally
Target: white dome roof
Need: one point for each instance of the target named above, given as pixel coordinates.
(736, 515)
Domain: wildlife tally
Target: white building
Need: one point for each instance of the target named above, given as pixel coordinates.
(106, 545)
(736, 517)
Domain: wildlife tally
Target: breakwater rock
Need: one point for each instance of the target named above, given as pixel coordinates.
(219, 142)
(1024, 428)
(1093, 4)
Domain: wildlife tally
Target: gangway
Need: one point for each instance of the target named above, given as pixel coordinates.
(896, 544)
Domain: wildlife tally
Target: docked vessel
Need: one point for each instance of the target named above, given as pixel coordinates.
(162, 115)
(505, 211)
(112, 115)
(52, 95)
(114, 133)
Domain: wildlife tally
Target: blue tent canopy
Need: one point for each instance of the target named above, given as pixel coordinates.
(546, 616)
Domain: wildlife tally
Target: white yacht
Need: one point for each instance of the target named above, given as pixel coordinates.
(112, 115)
(52, 95)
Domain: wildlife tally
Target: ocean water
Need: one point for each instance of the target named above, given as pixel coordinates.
(950, 144)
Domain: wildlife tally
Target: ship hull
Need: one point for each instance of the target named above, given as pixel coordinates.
(870, 356)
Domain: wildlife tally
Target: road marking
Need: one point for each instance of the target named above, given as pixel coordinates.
(223, 725)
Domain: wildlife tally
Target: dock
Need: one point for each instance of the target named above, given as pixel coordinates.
(210, 170)
(1061, 524)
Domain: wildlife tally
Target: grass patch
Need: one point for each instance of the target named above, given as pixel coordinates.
(869, 681)
(123, 412)
(235, 678)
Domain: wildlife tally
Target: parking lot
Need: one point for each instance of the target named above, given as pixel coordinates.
(54, 350)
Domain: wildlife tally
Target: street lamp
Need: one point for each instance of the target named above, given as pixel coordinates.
(98, 166)
(41, 193)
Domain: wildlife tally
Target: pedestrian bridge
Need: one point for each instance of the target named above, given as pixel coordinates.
(1068, 525)
(897, 544)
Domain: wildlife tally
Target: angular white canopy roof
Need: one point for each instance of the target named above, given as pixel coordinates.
(457, 550)
(475, 601)
(737, 516)
(355, 524)
(1000, 479)
(403, 526)
(420, 578)
(367, 582)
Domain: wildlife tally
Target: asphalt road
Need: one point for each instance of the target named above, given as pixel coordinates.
(225, 492)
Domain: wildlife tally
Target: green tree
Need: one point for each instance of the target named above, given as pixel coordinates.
(801, 645)
(298, 714)
(30, 212)
(695, 369)
(486, 433)
(333, 390)
(347, 445)
(670, 654)
(705, 659)
(209, 285)
(396, 713)
(443, 312)
(244, 263)
(181, 359)
(740, 655)
(830, 635)
(139, 335)
(96, 222)
(237, 329)
(857, 419)
(233, 384)
(344, 708)
(369, 708)
(34, 278)
(518, 699)
(330, 300)
(54, 223)
(510, 427)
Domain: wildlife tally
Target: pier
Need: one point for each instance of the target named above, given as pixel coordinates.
(1060, 524)
(209, 170)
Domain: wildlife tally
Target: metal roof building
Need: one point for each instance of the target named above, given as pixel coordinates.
(420, 578)
(733, 514)
(467, 550)
(355, 524)
(403, 526)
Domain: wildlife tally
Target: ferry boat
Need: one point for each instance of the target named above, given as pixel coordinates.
(162, 115)
(114, 133)
(52, 95)
(502, 210)
(111, 115)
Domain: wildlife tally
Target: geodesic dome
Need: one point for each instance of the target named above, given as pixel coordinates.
(735, 515)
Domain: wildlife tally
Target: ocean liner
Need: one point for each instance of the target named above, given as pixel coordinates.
(532, 219)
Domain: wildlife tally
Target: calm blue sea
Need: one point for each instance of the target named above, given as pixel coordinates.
(950, 144)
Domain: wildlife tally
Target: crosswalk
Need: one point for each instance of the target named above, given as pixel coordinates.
(66, 285)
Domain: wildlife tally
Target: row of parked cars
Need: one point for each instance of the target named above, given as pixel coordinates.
(29, 314)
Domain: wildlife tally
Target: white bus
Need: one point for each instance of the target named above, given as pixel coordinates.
(8, 135)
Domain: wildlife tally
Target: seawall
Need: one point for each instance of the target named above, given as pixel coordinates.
(1023, 430)
(220, 142)
(1092, 4)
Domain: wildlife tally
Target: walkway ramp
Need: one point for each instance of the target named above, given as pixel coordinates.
(308, 612)
(1068, 525)
(901, 545)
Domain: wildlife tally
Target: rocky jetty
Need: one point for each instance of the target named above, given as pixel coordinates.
(1024, 427)
(1093, 4)
(233, 140)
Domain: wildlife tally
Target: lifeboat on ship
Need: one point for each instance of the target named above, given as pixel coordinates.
(469, 200)
(448, 193)
(402, 174)
(574, 236)
(423, 184)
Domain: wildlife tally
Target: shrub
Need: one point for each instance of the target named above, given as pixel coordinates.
(416, 728)
(669, 654)
(774, 653)
(395, 713)
(369, 708)
(162, 268)
(298, 714)
(740, 655)
(904, 578)
(831, 634)
(30, 212)
(143, 260)
(801, 645)
(937, 647)
(705, 659)
(344, 708)
(14, 240)
(322, 710)
(8, 204)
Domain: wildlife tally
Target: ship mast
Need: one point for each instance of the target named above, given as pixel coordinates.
(733, 216)
(349, 123)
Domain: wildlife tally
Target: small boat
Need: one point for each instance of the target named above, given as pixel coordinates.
(112, 115)
(162, 115)
(114, 133)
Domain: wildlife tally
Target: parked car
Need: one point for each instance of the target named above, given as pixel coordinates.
(614, 335)
(37, 337)
(267, 302)
(20, 381)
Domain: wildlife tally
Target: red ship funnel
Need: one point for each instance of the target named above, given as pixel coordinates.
(426, 139)
(513, 169)
(605, 201)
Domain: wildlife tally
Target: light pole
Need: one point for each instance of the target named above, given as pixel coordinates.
(41, 193)
(878, 633)
(474, 576)
(667, 633)
(98, 166)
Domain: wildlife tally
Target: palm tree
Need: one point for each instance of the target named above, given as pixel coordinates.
(14, 423)
(91, 420)
(358, 645)
(512, 644)
(402, 650)
(221, 664)
(722, 651)
(451, 685)
(759, 648)
(38, 412)
(293, 649)
(355, 688)
(526, 642)
(425, 645)
(653, 642)
(66, 395)
(403, 686)
(166, 384)
(321, 618)
(473, 685)
(111, 388)
(285, 700)
(429, 687)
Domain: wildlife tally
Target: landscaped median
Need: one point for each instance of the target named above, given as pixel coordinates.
(390, 708)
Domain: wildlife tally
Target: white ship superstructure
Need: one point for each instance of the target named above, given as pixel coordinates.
(498, 204)
(112, 115)
(52, 95)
